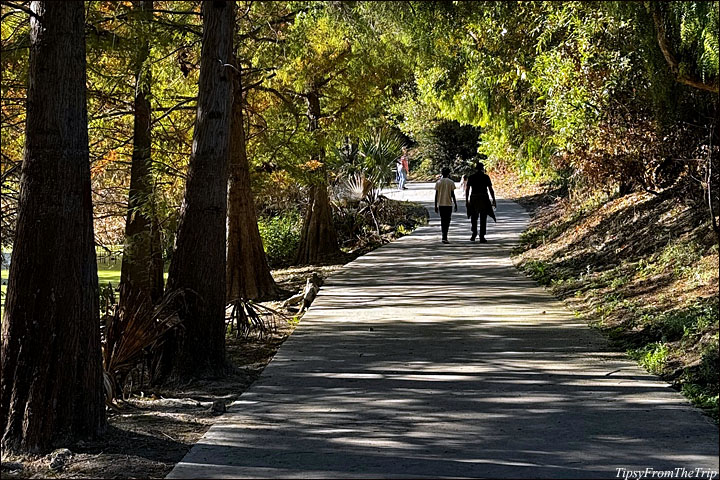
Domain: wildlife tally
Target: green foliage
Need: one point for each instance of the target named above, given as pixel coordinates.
(540, 271)
(361, 228)
(695, 28)
(700, 384)
(280, 235)
(653, 357)
(680, 257)
(378, 153)
(675, 324)
(701, 398)
(339, 52)
(558, 87)
(450, 144)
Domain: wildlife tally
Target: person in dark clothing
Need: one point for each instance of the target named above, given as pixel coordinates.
(477, 201)
(444, 199)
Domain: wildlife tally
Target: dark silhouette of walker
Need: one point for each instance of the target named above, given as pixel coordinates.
(478, 202)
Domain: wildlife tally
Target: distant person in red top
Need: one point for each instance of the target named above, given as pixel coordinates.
(477, 201)
(444, 199)
(403, 168)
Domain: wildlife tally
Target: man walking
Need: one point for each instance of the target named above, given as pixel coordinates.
(444, 199)
(478, 203)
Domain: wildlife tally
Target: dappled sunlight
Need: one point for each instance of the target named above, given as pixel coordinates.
(426, 360)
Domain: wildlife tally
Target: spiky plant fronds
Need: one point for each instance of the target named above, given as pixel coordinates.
(247, 317)
(132, 333)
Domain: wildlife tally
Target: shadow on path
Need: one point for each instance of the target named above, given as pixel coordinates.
(429, 360)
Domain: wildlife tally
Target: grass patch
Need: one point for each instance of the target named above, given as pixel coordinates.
(109, 276)
(540, 271)
(682, 323)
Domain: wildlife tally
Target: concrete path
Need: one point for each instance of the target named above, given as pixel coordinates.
(429, 360)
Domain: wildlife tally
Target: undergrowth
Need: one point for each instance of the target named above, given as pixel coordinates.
(641, 269)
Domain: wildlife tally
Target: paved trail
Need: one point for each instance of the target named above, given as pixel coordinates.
(429, 360)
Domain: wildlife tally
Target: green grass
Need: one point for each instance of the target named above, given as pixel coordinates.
(112, 276)
(105, 276)
(540, 271)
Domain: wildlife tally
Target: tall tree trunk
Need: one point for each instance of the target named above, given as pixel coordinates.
(52, 381)
(198, 262)
(248, 273)
(142, 263)
(318, 239)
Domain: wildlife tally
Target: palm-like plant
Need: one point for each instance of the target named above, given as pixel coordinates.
(365, 168)
(369, 166)
(132, 333)
(247, 316)
(379, 152)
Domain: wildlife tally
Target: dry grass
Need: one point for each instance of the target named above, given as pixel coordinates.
(642, 268)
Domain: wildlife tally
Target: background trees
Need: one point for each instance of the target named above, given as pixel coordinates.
(142, 263)
(559, 88)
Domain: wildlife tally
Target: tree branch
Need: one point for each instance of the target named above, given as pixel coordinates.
(21, 8)
(670, 57)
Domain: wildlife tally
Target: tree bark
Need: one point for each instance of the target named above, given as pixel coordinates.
(318, 239)
(142, 263)
(52, 381)
(198, 262)
(248, 273)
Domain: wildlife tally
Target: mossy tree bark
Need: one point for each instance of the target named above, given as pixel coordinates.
(248, 273)
(51, 390)
(198, 262)
(142, 262)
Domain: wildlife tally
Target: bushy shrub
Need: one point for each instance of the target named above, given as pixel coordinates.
(280, 235)
(446, 144)
(359, 229)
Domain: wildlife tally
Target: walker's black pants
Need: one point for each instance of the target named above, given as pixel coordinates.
(445, 214)
(483, 224)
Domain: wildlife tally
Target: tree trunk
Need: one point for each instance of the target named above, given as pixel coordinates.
(142, 263)
(248, 274)
(198, 262)
(52, 381)
(318, 239)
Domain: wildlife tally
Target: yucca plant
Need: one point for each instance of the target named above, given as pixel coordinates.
(378, 153)
(132, 333)
(370, 164)
(367, 168)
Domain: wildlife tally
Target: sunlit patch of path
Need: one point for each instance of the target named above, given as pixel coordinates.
(429, 360)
